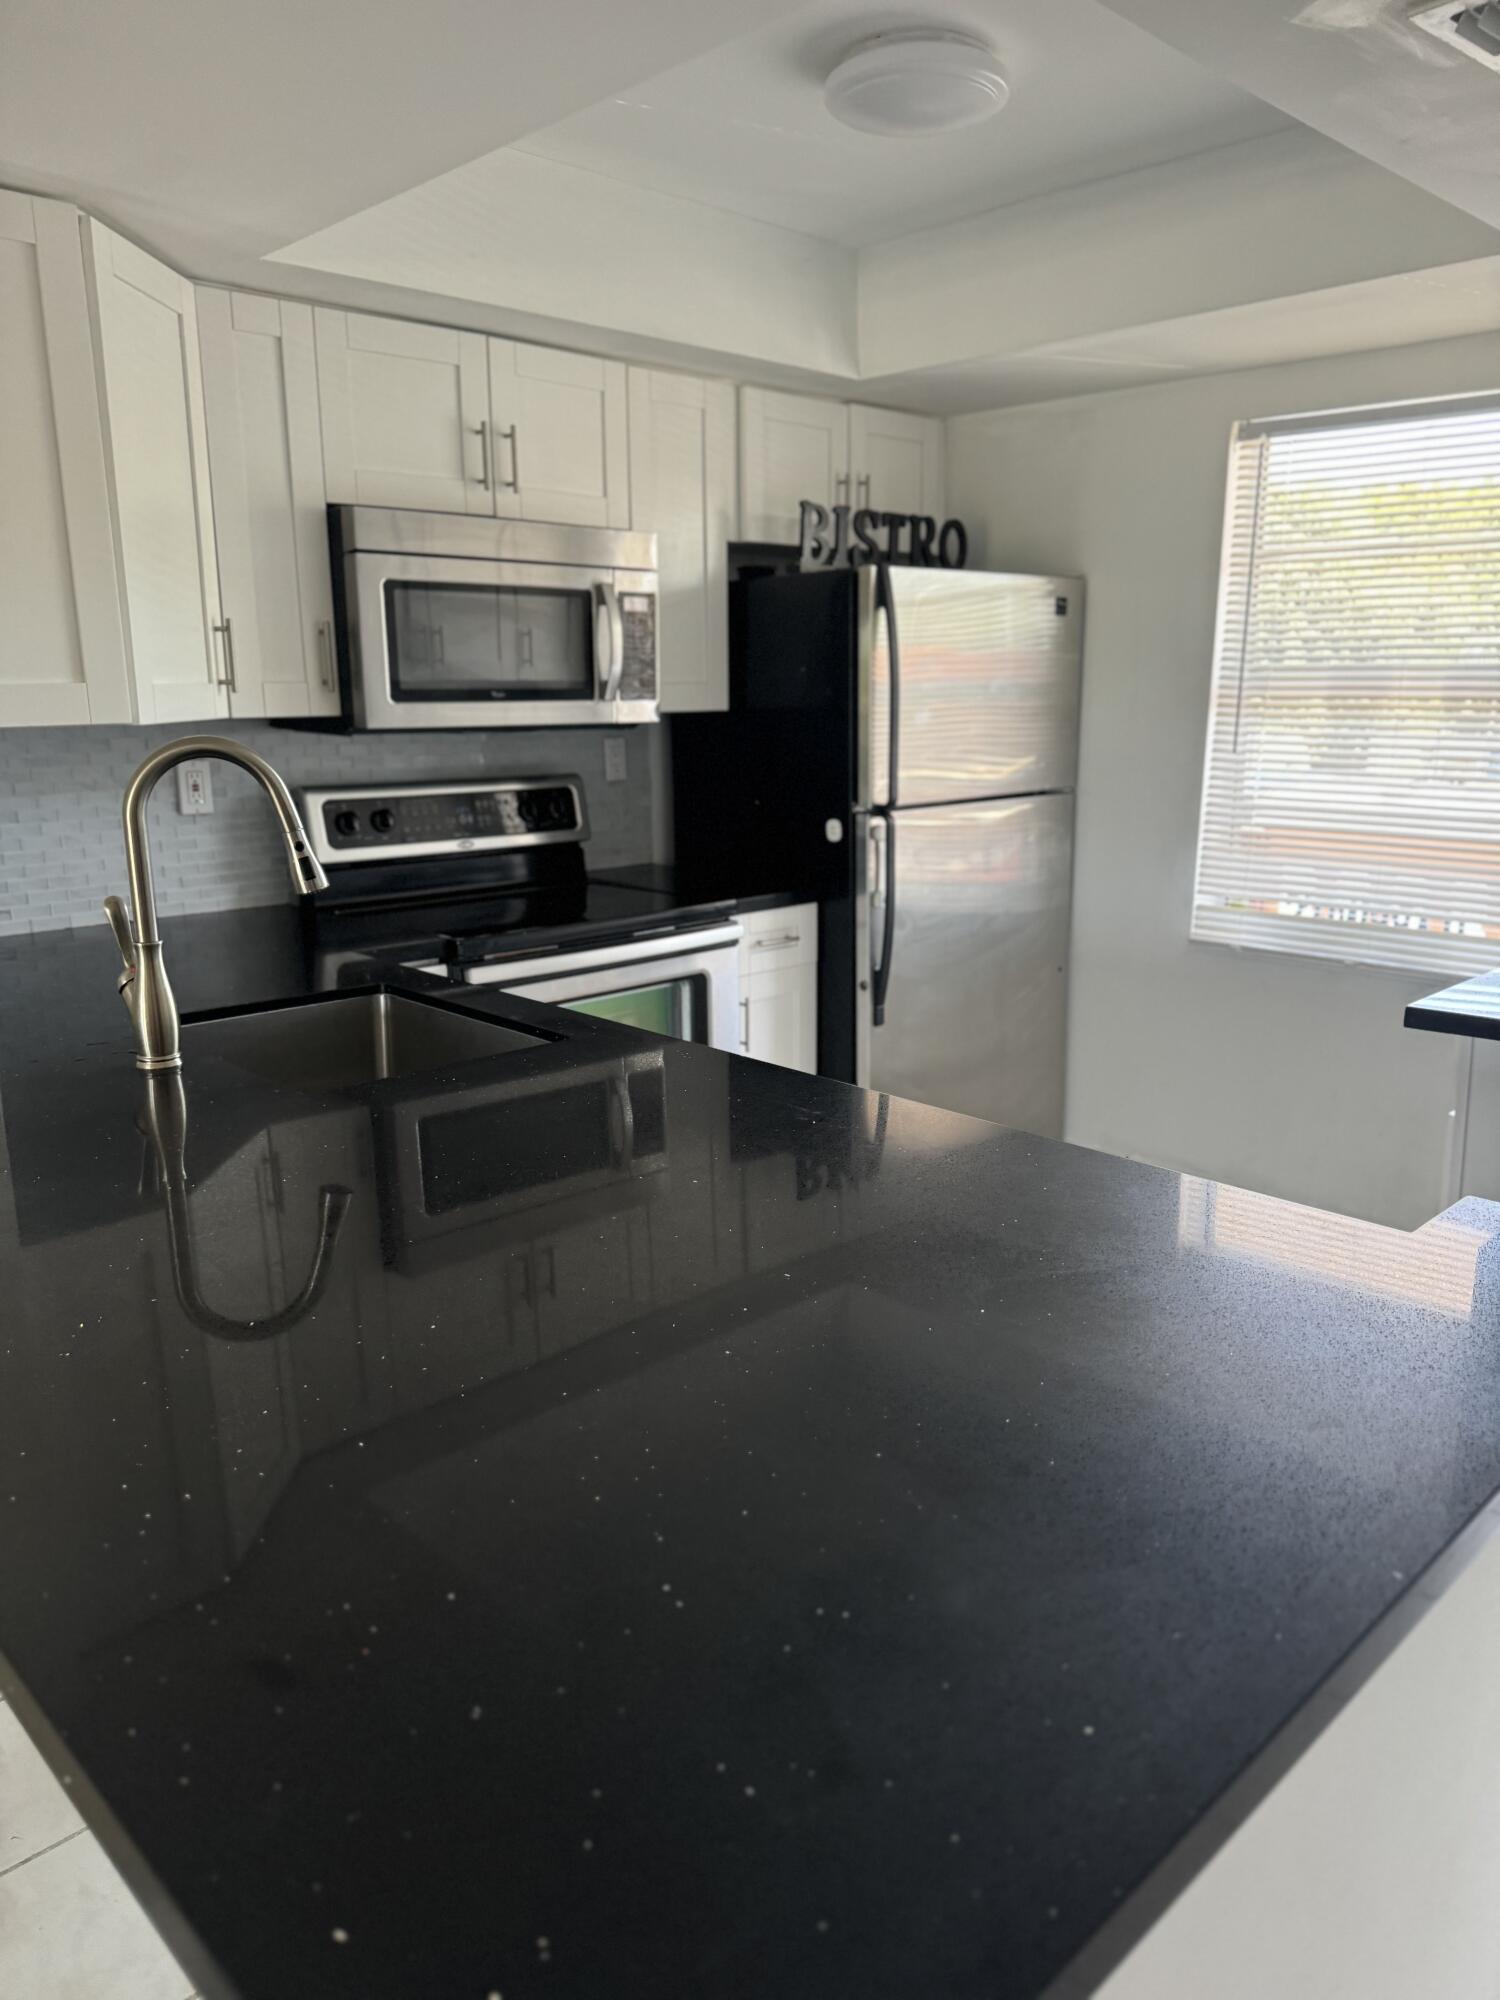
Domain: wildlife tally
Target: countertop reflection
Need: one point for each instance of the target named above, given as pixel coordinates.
(689, 1527)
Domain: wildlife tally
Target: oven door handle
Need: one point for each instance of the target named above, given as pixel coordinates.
(564, 964)
(609, 621)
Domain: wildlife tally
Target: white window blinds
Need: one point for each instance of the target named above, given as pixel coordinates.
(1351, 798)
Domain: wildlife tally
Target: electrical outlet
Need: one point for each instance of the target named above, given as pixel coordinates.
(615, 771)
(195, 790)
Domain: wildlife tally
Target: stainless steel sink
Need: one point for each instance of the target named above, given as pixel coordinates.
(350, 1040)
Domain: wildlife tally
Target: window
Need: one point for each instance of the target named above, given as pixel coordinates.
(1351, 795)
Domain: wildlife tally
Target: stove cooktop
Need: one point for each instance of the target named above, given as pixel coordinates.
(526, 922)
(470, 873)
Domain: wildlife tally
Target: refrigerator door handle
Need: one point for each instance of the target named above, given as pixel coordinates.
(883, 836)
(885, 599)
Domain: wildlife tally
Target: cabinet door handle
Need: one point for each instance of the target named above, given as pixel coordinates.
(842, 481)
(863, 481)
(782, 943)
(483, 433)
(225, 630)
(745, 1024)
(325, 652)
(509, 434)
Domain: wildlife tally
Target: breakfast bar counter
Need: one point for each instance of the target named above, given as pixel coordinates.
(614, 1518)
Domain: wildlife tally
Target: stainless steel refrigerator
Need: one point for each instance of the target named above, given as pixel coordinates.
(902, 744)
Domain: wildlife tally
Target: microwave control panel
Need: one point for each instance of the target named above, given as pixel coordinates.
(638, 615)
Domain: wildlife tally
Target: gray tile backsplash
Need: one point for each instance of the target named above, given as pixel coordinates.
(60, 808)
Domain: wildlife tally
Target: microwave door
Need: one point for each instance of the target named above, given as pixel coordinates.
(453, 643)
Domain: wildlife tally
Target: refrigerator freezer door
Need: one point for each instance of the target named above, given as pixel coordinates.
(989, 685)
(976, 1002)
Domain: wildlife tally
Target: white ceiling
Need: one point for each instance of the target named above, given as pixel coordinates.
(201, 124)
(1175, 186)
(1359, 72)
(743, 127)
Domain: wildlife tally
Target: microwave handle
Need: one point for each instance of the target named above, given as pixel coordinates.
(612, 654)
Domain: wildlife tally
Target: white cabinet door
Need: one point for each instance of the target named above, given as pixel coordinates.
(559, 433)
(792, 448)
(683, 490)
(896, 460)
(62, 647)
(781, 1019)
(405, 414)
(156, 451)
(779, 986)
(265, 452)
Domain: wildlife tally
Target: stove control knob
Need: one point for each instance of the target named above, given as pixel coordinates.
(346, 823)
(383, 820)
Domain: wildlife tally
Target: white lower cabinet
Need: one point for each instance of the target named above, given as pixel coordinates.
(156, 454)
(265, 449)
(779, 987)
(62, 646)
(683, 490)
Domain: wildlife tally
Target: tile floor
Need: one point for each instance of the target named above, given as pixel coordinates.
(69, 1928)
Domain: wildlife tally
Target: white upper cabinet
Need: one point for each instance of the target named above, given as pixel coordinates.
(265, 451)
(683, 490)
(896, 461)
(427, 416)
(405, 413)
(62, 648)
(796, 448)
(792, 448)
(558, 430)
(156, 452)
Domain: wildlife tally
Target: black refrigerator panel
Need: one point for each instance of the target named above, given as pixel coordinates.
(762, 793)
(755, 788)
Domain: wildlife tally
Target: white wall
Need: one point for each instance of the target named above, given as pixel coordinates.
(1285, 1074)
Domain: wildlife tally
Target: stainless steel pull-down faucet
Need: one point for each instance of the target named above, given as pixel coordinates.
(143, 985)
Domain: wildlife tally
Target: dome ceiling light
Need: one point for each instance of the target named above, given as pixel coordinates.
(904, 85)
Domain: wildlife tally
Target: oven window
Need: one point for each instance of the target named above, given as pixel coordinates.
(672, 1008)
(489, 642)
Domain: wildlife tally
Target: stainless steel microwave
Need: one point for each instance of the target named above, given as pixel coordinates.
(453, 621)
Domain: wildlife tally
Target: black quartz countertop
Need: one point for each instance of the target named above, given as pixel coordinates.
(1472, 1007)
(689, 885)
(711, 1531)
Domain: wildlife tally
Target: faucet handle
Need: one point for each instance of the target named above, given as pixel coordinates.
(119, 923)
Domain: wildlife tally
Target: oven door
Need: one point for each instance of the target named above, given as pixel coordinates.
(451, 642)
(687, 986)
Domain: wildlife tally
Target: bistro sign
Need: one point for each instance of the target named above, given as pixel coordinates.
(837, 535)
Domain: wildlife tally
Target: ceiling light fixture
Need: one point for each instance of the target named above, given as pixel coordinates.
(908, 84)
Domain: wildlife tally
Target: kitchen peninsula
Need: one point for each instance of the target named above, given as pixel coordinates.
(707, 1530)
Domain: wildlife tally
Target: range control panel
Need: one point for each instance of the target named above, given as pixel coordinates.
(357, 825)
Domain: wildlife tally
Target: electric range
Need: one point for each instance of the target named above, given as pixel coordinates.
(483, 882)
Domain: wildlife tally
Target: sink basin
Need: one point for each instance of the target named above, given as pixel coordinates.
(350, 1040)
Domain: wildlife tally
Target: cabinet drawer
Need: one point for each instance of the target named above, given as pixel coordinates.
(780, 937)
